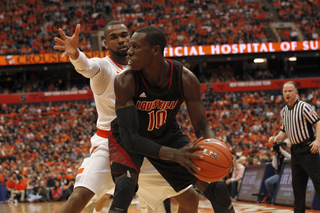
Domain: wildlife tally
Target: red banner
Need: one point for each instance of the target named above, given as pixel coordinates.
(223, 49)
(38, 97)
(44, 58)
(240, 86)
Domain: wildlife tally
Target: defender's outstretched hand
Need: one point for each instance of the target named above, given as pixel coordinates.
(68, 44)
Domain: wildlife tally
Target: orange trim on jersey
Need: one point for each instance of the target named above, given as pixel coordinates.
(103, 133)
(93, 149)
(115, 63)
(80, 171)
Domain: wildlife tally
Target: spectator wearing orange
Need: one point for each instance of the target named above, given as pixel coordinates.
(2, 177)
(11, 186)
(56, 192)
(69, 174)
(20, 189)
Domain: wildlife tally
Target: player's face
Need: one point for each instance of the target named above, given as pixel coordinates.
(117, 39)
(140, 52)
(289, 93)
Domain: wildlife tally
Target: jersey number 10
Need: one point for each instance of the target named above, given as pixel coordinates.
(157, 119)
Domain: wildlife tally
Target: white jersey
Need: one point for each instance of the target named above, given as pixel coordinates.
(101, 72)
(105, 103)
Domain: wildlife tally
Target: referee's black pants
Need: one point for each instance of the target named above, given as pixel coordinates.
(304, 164)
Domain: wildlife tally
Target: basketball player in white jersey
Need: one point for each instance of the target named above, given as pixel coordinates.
(94, 175)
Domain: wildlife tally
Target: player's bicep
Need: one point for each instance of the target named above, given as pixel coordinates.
(124, 88)
(192, 94)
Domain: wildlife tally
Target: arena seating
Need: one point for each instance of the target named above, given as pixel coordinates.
(30, 26)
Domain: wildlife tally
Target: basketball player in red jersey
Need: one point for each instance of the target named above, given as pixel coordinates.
(94, 179)
(148, 98)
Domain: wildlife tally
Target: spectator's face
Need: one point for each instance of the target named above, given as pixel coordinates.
(117, 39)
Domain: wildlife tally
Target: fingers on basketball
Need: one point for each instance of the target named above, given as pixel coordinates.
(216, 160)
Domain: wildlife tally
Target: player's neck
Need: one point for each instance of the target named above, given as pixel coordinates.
(121, 60)
(158, 75)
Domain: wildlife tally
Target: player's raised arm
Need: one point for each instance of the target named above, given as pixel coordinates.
(68, 44)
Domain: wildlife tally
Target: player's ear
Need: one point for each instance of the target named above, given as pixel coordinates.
(106, 45)
(156, 50)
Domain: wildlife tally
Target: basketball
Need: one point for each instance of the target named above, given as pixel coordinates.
(216, 162)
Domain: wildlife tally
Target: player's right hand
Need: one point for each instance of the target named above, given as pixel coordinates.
(68, 44)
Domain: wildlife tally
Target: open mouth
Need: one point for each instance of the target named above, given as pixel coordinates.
(130, 62)
(123, 48)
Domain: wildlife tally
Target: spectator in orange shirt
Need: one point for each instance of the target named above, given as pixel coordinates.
(11, 185)
(56, 192)
(69, 174)
(20, 189)
(2, 180)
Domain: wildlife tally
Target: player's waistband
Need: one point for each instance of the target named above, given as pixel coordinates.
(103, 133)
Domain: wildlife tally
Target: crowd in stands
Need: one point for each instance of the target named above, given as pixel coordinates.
(198, 22)
(303, 13)
(30, 26)
(42, 146)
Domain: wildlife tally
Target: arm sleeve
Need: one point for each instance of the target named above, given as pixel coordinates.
(310, 114)
(128, 128)
(275, 162)
(84, 66)
(90, 68)
(286, 154)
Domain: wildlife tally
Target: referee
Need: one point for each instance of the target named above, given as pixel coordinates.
(299, 122)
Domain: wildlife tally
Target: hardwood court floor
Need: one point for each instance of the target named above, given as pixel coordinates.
(204, 207)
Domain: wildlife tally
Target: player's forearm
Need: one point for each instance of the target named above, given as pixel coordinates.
(84, 66)
(128, 128)
(205, 132)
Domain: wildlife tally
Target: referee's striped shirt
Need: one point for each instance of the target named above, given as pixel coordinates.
(298, 122)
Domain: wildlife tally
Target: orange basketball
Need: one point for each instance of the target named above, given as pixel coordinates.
(216, 162)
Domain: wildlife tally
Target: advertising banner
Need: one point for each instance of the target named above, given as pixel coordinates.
(220, 49)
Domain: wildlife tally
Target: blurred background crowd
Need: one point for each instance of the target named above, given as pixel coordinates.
(30, 26)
